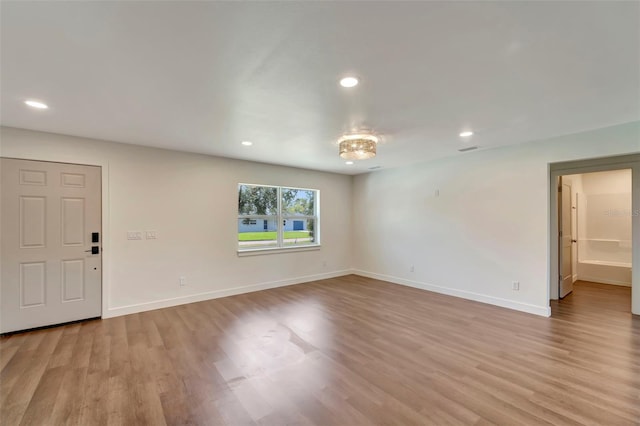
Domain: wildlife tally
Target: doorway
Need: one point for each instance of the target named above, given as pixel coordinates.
(51, 243)
(601, 227)
(595, 224)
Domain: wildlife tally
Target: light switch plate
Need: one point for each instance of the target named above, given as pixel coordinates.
(134, 235)
(151, 235)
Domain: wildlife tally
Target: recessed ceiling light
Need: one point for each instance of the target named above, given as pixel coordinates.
(466, 133)
(349, 82)
(36, 104)
(348, 163)
(247, 143)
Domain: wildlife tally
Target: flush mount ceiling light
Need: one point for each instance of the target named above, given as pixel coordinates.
(358, 146)
(247, 143)
(36, 104)
(349, 82)
(348, 163)
(466, 133)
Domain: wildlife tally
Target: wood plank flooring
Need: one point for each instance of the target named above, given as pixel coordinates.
(344, 351)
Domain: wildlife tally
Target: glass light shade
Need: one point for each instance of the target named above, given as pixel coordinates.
(358, 148)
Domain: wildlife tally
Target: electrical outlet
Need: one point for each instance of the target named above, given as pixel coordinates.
(411, 268)
(183, 281)
(134, 235)
(515, 285)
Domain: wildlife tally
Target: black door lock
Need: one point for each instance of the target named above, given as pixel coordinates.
(95, 237)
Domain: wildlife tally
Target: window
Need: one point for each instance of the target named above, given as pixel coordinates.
(277, 217)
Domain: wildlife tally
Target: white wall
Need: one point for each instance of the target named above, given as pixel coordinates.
(609, 182)
(605, 216)
(489, 225)
(191, 201)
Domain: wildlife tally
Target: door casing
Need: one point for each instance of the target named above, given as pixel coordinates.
(631, 161)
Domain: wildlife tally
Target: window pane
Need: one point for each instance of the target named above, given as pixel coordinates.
(257, 233)
(257, 200)
(299, 232)
(298, 202)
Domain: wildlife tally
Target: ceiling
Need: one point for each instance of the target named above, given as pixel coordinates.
(203, 76)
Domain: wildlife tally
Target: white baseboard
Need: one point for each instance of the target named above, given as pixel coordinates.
(199, 297)
(604, 281)
(544, 311)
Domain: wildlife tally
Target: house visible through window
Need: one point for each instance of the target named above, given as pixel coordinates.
(277, 217)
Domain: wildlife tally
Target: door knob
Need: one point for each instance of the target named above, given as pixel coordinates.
(574, 241)
(94, 250)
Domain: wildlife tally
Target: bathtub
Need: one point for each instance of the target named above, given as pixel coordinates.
(616, 273)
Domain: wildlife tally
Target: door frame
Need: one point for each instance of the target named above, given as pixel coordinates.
(105, 219)
(556, 170)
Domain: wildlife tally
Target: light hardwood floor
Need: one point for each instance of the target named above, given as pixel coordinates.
(344, 351)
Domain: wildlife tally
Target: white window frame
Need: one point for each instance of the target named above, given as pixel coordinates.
(279, 217)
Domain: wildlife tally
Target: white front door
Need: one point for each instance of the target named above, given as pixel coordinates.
(565, 238)
(50, 220)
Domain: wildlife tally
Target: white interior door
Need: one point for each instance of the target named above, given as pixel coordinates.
(565, 238)
(49, 214)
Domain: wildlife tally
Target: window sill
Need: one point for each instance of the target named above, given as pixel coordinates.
(276, 250)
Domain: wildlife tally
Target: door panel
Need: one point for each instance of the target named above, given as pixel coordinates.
(565, 239)
(48, 213)
(33, 222)
(33, 177)
(73, 280)
(73, 222)
(32, 284)
(73, 180)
